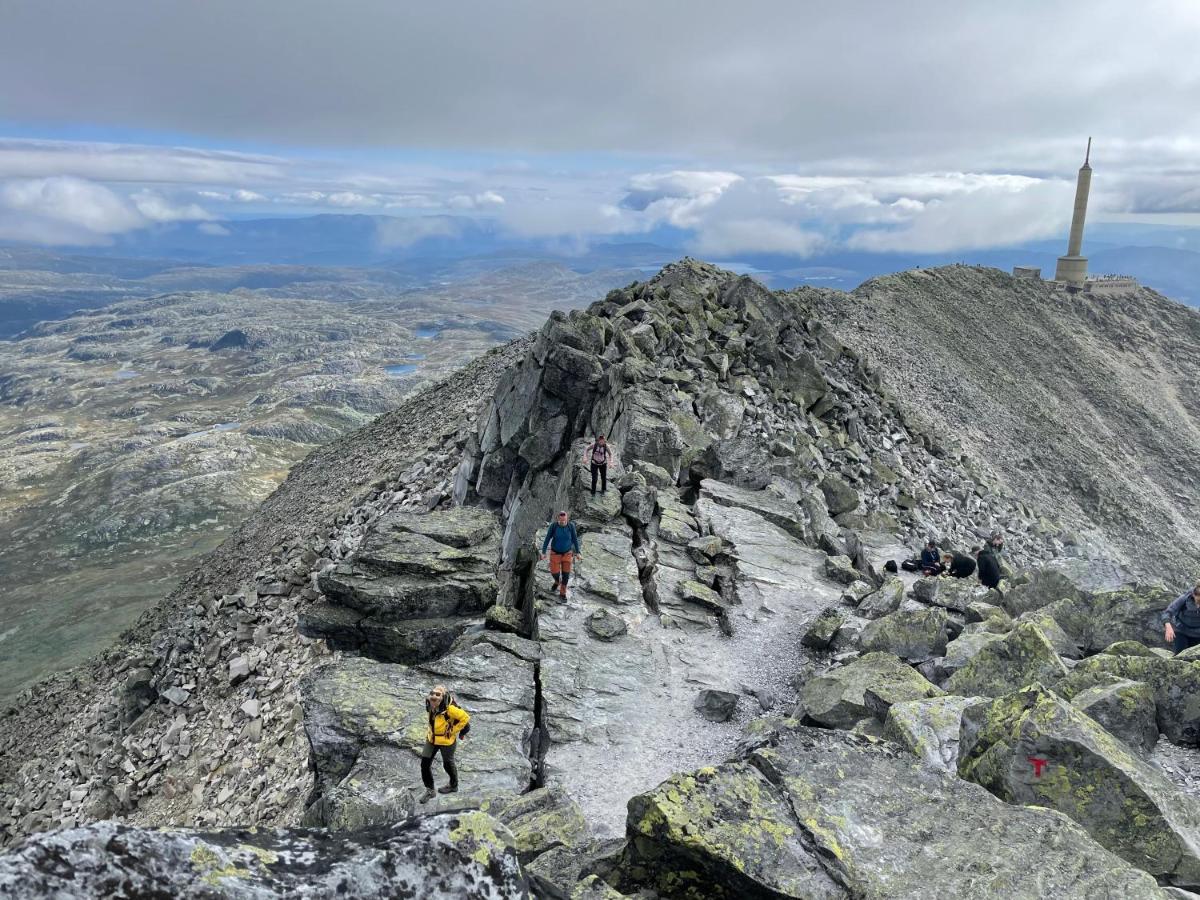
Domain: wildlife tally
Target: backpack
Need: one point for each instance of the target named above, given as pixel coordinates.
(451, 700)
(603, 451)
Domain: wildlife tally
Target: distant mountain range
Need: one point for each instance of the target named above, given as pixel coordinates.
(424, 250)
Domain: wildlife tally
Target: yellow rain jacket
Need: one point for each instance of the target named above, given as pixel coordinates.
(446, 726)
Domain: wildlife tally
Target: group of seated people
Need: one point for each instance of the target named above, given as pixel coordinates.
(985, 559)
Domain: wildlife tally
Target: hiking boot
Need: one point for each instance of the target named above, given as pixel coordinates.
(427, 796)
(448, 789)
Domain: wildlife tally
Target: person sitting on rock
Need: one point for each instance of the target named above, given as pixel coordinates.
(989, 567)
(598, 455)
(930, 556)
(1182, 621)
(446, 721)
(563, 540)
(958, 565)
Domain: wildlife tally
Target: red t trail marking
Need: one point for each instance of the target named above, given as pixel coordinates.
(1039, 763)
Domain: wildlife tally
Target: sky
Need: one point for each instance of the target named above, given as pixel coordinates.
(766, 126)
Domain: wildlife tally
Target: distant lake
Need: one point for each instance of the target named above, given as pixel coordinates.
(427, 332)
(125, 374)
(401, 369)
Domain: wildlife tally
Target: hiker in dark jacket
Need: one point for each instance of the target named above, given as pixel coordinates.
(930, 557)
(959, 565)
(1182, 621)
(563, 541)
(598, 455)
(989, 568)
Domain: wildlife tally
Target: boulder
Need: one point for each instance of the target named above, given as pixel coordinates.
(840, 569)
(1126, 709)
(913, 635)
(1125, 803)
(1129, 614)
(1000, 667)
(836, 699)
(775, 509)
(638, 504)
(1063, 643)
(952, 593)
(929, 728)
(1175, 683)
(883, 601)
(606, 625)
(539, 821)
(839, 496)
(721, 833)
(820, 633)
(978, 611)
(465, 854)
(1136, 648)
(1043, 587)
(963, 649)
(885, 824)
(716, 706)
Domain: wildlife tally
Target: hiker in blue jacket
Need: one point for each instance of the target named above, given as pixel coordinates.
(563, 540)
(1182, 621)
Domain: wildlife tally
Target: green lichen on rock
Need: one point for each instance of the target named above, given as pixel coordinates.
(1125, 709)
(477, 835)
(837, 699)
(1175, 683)
(1126, 804)
(722, 833)
(914, 635)
(539, 821)
(885, 824)
(824, 627)
(1023, 656)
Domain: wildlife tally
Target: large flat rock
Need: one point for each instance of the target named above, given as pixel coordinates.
(466, 855)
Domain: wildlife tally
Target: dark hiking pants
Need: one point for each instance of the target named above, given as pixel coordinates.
(427, 755)
(603, 472)
(1183, 641)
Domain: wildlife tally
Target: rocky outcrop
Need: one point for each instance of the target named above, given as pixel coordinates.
(415, 585)
(1125, 709)
(468, 855)
(999, 667)
(814, 813)
(930, 728)
(1174, 682)
(1123, 802)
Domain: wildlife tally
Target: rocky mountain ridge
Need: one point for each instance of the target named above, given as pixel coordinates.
(731, 572)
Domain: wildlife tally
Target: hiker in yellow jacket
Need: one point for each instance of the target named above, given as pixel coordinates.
(446, 722)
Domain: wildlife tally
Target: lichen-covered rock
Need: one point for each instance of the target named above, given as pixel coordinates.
(539, 821)
(963, 649)
(721, 833)
(1136, 648)
(979, 611)
(840, 569)
(1000, 667)
(883, 601)
(885, 824)
(465, 855)
(1063, 643)
(1175, 682)
(929, 728)
(823, 628)
(1126, 804)
(913, 635)
(952, 593)
(1129, 614)
(1043, 587)
(1126, 709)
(836, 699)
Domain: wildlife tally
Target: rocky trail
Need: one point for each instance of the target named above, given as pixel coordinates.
(733, 701)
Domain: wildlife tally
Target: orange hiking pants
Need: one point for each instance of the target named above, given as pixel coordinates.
(560, 563)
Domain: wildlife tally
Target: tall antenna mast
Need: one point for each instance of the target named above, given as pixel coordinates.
(1088, 155)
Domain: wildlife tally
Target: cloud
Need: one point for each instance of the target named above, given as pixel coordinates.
(63, 210)
(214, 229)
(477, 201)
(930, 87)
(157, 208)
(398, 234)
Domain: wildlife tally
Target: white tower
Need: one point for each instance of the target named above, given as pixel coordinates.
(1072, 268)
